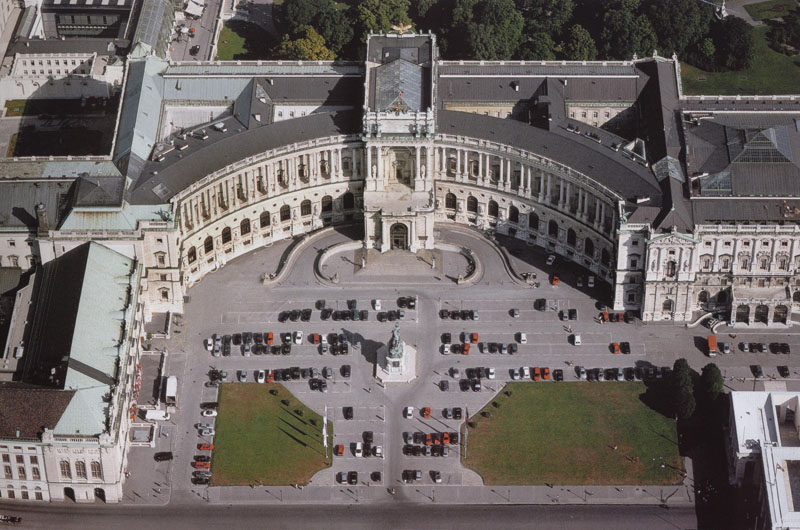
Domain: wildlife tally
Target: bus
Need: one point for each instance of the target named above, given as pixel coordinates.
(712, 345)
(172, 391)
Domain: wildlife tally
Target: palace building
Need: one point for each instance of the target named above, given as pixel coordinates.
(681, 205)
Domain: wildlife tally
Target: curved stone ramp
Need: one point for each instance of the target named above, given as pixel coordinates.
(699, 319)
(291, 254)
(323, 256)
(471, 232)
(477, 266)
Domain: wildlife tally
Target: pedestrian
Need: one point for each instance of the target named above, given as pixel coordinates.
(615, 448)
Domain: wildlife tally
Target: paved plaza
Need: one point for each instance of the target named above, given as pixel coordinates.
(235, 299)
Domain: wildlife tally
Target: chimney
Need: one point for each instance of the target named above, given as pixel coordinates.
(41, 216)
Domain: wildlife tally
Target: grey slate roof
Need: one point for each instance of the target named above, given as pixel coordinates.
(597, 161)
(26, 412)
(99, 46)
(98, 191)
(19, 198)
(182, 168)
(534, 68)
(752, 210)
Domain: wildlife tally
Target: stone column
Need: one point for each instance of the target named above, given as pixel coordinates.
(379, 164)
(549, 190)
(597, 206)
(509, 175)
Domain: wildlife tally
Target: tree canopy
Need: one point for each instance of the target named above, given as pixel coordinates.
(579, 45)
(624, 33)
(683, 389)
(309, 47)
(495, 31)
(679, 23)
(381, 15)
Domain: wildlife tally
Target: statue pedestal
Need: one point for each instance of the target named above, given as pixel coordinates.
(402, 369)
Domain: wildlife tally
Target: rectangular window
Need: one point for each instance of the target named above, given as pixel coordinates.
(12, 243)
(595, 114)
(21, 472)
(6, 458)
(39, 496)
(634, 263)
(25, 494)
(20, 459)
(34, 460)
(163, 277)
(631, 298)
(161, 260)
(11, 494)
(7, 470)
(727, 243)
(35, 473)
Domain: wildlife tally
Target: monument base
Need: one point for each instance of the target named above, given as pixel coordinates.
(386, 372)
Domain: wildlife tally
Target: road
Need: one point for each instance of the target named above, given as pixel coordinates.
(377, 516)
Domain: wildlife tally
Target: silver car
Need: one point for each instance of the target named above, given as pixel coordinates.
(242, 376)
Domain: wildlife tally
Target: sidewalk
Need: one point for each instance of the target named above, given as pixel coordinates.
(680, 494)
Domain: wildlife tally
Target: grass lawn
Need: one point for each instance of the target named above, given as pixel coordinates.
(12, 145)
(565, 433)
(15, 107)
(262, 441)
(242, 41)
(770, 9)
(770, 73)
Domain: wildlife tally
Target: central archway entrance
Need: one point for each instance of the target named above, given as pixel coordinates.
(398, 235)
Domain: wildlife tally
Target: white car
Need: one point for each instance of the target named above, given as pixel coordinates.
(359, 450)
(376, 305)
(523, 338)
(207, 432)
(551, 259)
(260, 376)
(246, 350)
(209, 344)
(526, 372)
(446, 348)
(379, 451)
(581, 373)
(515, 374)
(408, 412)
(323, 338)
(208, 413)
(491, 373)
(242, 376)
(576, 340)
(298, 337)
(591, 281)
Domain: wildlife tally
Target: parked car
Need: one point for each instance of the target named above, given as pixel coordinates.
(551, 259)
(163, 456)
(261, 376)
(347, 412)
(358, 451)
(209, 413)
(242, 376)
(558, 374)
(523, 338)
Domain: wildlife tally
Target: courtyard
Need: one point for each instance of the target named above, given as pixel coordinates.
(568, 414)
(581, 433)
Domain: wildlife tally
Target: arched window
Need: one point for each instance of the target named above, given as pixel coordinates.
(226, 235)
(705, 261)
(513, 214)
(667, 306)
(286, 213)
(796, 296)
(670, 269)
(305, 207)
(66, 470)
(348, 201)
(779, 314)
(588, 247)
(327, 204)
(605, 258)
(572, 238)
(208, 244)
(743, 313)
(97, 471)
(493, 209)
(244, 226)
(450, 201)
(702, 297)
(722, 297)
(533, 221)
(191, 256)
(264, 220)
(552, 229)
(762, 314)
(472, 204)
(80, 469)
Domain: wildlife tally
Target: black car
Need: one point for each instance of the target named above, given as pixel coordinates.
(455, 315)
(237, 339)
(209, 405)
(416, 450)
(313, 384)
(352, 478)
(492, 347)
(419, 437)
(573, 314)
(758, 373)
(348, 413)
(247, 337)
(368, 437)
(295, 372)
(628, 374)
(202, 458)
(476, 385)
(562, 315)
(226, 346)
(194, 50)
(464, 385)
(381, 317)
(558, 374)
(325, 314)
(784, 348)
(200, 481)
(283, 316)
(540, 304)
(457, 413)
(591, 375)
(443, 314)
(258, 337)
(286, 375)
(471, 373)
(408, 449)
(444, 385)
(286, 349)
(512, 348)
(625, 347)
(161, 457)
(305, 373)
(446, 338)
(305, 316)
(320, 304)
(346, 370)
(783, 371)
(364, 314)
(276, 349)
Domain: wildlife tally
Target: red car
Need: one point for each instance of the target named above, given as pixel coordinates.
(615, 348)
(201, 465)
(426, 412)
(205, 447)
(465, 349)
(473, 338)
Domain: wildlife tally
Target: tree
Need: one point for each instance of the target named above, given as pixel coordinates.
(711, 382)
(309, 47)
(679, 23)
(579, 45)
(539, 47)
(323, 16)
(546, 16)
(625, 34)
(683, 389)
(381, 15)
(734, 44)
(495, 31)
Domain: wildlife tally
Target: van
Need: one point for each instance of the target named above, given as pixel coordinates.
(712, 345)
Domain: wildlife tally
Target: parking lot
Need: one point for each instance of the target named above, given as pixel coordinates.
(234, 301)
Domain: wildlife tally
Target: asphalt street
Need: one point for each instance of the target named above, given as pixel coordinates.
(377, 516)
